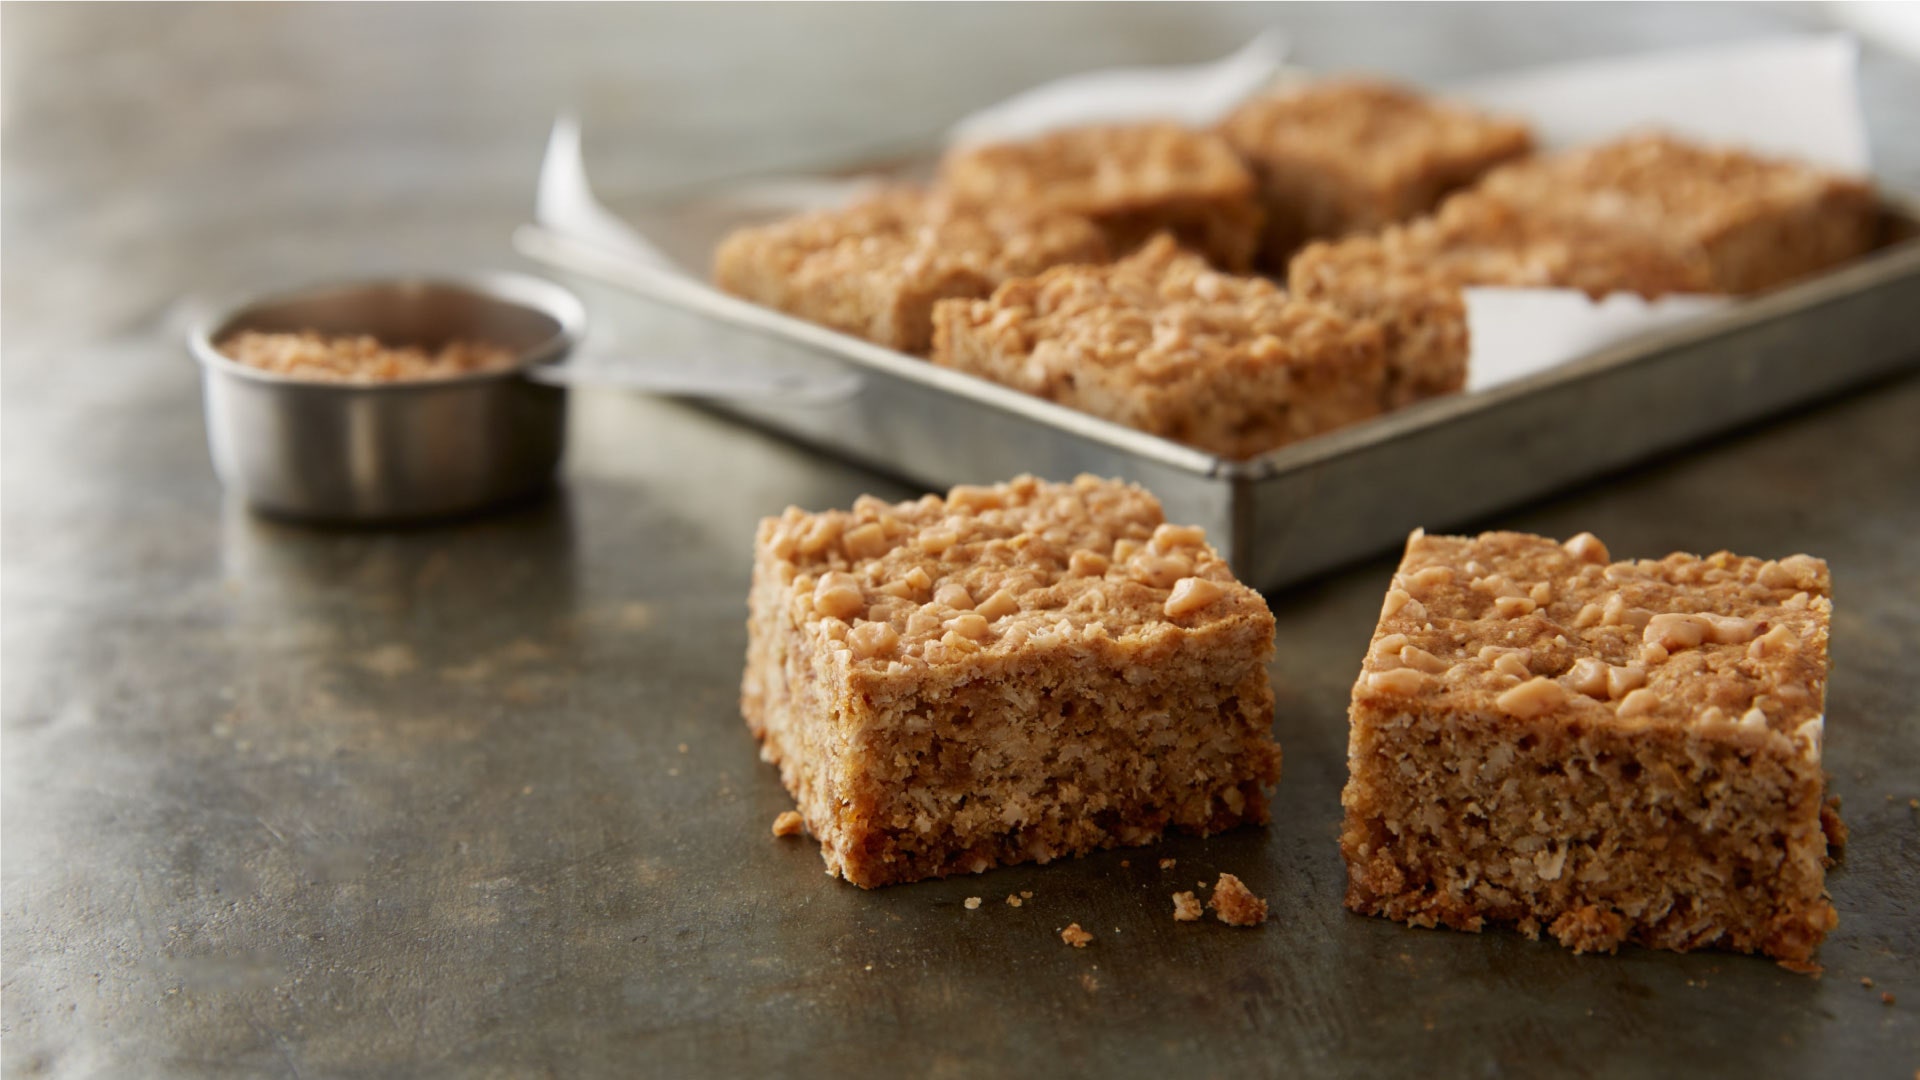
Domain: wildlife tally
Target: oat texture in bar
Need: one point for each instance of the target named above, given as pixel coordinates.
(1008, 674)
(1758, 221)
(875, 269)
(1612, 752)
(1163, 343)
(1354, 155)
(1134, 181)
(1409, 279)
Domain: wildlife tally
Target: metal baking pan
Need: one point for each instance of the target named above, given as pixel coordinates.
(1305, 508)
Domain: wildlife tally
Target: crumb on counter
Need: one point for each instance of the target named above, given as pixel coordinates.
(973, 903)
(1234, 904)
(1026, 894)
(1075, 936)
(1012, 900)
(1168, 864)
(788, 823)
(1186, 907)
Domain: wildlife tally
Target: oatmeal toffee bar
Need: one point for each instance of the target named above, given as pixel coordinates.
(876, 269)
(1135, 181)
(1353, 155)
(1612, 752)
(1008, 674)
(1164, 344)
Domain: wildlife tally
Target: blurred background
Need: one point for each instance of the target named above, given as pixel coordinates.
(307, 802)
(152, 151)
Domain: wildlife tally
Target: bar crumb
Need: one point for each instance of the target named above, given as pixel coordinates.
(1168, 864)
(1012, 900)
(788, 823)
(1866, 981)
(1075, 936)
(1886, 997)
(1234, 904)
(973, 903)
(1026, 894)
(1186, 907)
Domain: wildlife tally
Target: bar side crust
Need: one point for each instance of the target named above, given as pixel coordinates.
(1610, 751)
(1016, 673)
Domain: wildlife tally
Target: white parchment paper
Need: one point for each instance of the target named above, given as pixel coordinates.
(1516, 332)
(1197, 95)
(1790, 96)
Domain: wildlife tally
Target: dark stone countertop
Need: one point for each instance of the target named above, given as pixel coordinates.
(477, 800)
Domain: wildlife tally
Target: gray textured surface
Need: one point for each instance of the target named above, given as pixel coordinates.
(284, 802)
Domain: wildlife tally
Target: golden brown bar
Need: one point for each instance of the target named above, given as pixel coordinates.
(1759, 221)
(1613, 752)
(1008, 674)
(1409, 278)
(1160, 342)
(1134, 181)
(1354, 155)
(875, 269)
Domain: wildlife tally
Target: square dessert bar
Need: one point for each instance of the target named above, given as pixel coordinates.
(1133, 180)
(1161, 342)
(1409, 278)
(1009, 674)
(1345, 156)
(875, 269)
(1759, 221)
(1612, 751)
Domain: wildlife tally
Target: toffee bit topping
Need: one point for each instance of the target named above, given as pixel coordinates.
(1528, 627)
(1017, 565)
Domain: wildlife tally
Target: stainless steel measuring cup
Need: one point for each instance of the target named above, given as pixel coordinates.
(403, 450)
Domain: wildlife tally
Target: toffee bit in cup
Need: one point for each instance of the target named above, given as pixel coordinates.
(361, 358)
